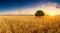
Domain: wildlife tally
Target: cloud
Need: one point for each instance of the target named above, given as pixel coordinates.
(46, 7)
(50, 6)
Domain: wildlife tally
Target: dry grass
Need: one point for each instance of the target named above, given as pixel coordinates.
(29, 24)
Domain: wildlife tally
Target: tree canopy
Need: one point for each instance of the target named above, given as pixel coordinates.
(39, 13)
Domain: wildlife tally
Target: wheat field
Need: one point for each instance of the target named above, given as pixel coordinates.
(29, 24)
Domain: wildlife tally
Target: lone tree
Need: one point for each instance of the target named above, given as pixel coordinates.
(39, 13)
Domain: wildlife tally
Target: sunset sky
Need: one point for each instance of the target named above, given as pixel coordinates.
(28, 7)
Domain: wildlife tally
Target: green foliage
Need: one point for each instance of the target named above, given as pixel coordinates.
(39, 13)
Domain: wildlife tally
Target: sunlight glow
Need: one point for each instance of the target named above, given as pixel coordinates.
(52, 13)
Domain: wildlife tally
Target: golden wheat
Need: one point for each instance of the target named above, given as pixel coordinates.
(29, 24)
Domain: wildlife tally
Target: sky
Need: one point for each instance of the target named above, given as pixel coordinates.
(28, 7)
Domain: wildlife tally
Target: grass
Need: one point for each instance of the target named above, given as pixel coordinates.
(29, 24)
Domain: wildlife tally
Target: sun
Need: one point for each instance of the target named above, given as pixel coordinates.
(52, 13)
